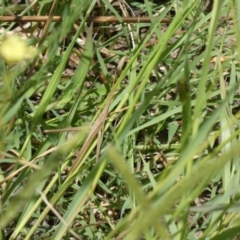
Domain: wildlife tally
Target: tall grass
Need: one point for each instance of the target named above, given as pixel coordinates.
(162, 163)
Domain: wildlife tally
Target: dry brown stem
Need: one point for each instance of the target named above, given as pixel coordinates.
(97, 19)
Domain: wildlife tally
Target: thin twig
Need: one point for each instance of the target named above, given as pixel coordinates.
(98, 19)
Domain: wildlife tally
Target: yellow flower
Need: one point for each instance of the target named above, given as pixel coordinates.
(13, 49)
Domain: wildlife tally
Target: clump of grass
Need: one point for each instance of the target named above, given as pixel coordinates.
(122, 130)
